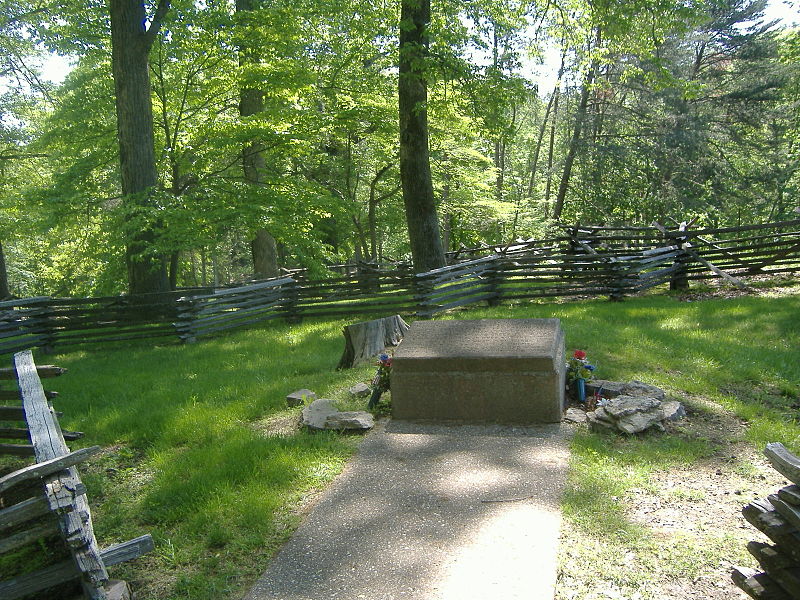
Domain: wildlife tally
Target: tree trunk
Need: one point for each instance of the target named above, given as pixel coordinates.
(174, 265)
(415, 168)
(251, 102)
(550, 149)
(265, 255)
(4, 291)
(372, 209)
(552, 106)
(580, 117)
(500, 165)
(131, 43)
(365, 340)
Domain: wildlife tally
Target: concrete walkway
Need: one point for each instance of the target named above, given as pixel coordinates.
(431, 512)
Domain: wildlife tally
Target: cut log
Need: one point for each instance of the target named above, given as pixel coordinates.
(781, 568)
(788, 511)
(23, 538)
(365, 340)
(14, 395)
(60, 488)
(31, 583)
(22, 512)
(783, 461)
(17, 449)
(44, 371)
(762, 515)
(790, 494)
(48, 467)
(758, 585)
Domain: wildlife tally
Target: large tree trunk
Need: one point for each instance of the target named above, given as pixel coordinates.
(251, 102)
(131, 42)
(265, 255)
(415, 168)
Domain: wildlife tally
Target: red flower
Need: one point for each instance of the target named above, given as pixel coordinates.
(579, 354)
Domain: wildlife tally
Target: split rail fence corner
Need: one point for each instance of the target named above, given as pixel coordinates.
(778, 517)
(582, 261)
(59, 508)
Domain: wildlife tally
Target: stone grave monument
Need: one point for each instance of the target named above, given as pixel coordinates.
(489, 370)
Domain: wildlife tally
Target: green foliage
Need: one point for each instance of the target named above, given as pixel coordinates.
(691, 114)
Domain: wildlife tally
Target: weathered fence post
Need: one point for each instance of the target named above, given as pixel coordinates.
(423, 293)
(291, 296)
(187, 308)
(679, 239)
(495, 277)
(619, 279)
(45, 323)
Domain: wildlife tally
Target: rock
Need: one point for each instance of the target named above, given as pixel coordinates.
(639, 421)
(357, 420)
(360, 390)
(639, 388)
(117, 590)
(673, 410)
(623, 406)
(611, 389)
(316, 414)
(601, 414)
(300, 397)
(575, 415)
(321, 414)
(596, 424)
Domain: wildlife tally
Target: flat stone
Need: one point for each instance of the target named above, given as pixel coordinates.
(640, 421)
(639, 388)
(316, 414)
(300, 397)
(575, 415)
(360, 390)
(597, 424)
(488, 370)
(623, 406)
(673, 410)
(610, 389)
(350, 421)
(601, 414)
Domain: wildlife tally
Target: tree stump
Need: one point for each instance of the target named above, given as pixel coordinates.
(363, 341)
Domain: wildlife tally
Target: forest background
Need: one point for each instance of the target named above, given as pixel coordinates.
(276, 141)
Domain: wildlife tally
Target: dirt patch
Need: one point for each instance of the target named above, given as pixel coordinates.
(280, 425)
(757, 285)
(693, 517)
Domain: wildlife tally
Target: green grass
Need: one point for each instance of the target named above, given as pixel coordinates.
(186, 458)
(739, 354)
(189, 459)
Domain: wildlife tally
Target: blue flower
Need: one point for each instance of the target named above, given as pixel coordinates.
(590, 367)
(383, 357)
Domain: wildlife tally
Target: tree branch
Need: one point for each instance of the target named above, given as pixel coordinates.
(155, 24)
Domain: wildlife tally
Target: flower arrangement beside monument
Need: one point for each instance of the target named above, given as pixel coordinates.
(382, 379)
(579, 371)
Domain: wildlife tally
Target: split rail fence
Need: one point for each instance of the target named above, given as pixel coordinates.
(778, 518)
(47, 500)
(582, 261)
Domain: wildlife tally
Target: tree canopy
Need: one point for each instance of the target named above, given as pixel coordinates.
(286, 135)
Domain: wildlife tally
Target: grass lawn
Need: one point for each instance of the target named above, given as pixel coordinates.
(199, 448)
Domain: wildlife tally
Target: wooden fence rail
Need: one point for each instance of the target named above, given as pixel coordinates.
(59, 508)
(583, 261)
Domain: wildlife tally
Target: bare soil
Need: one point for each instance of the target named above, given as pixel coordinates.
(698, 507)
